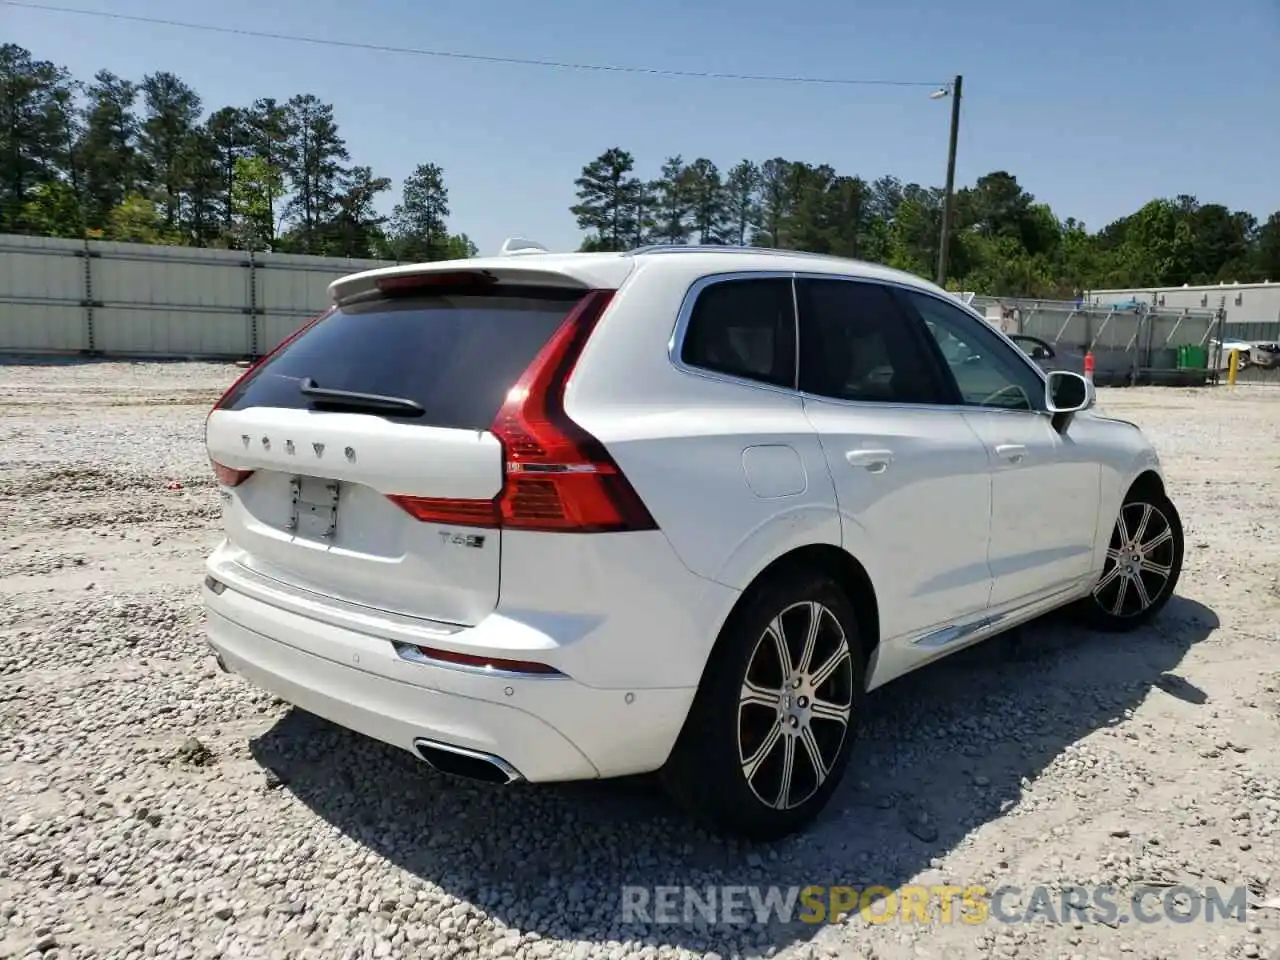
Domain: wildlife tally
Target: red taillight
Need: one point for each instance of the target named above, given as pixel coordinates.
(558, 476)
(230, 476)
(468, 513)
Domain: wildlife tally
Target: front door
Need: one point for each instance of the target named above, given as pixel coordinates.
(1044, 488)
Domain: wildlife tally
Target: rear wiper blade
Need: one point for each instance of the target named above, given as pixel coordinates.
(353, 399)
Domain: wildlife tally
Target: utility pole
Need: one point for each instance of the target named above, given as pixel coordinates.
(945, 237)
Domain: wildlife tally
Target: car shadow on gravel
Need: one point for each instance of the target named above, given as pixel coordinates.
(949, 749)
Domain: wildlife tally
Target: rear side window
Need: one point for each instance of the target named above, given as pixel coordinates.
(744, 328)
(456, 355)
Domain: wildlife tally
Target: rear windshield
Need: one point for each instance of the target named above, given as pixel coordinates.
(456, 355)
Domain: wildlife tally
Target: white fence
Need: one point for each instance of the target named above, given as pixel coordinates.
(127, 299)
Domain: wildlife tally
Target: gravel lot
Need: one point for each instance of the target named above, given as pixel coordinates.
(150, 806)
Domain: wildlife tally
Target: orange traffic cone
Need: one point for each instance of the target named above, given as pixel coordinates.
(1088, 366)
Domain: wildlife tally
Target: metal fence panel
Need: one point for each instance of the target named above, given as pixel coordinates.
(142, 300)
(42, 294)
(1255, 332)
(170, 301)
(1128, 344)
(157, 331)
(293, 289)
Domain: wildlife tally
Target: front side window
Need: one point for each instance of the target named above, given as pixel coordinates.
(858, 344)
(744, 328)
(986, 371)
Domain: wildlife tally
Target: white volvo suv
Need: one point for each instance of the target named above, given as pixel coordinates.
(567, 516)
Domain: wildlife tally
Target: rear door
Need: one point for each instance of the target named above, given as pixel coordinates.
(316, 513)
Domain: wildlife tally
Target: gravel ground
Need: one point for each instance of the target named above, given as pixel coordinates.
(151, 806)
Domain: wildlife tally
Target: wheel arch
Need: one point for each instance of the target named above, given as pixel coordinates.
(821, 558)
(1147, 482)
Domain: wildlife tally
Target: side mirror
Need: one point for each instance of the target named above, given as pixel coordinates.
(1067, 392)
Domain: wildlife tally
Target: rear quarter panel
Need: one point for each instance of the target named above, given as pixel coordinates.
(681, 438)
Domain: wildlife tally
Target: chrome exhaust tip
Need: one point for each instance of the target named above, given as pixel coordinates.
(469, 764)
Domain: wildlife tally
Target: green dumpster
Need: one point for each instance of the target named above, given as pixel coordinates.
(1192, 357)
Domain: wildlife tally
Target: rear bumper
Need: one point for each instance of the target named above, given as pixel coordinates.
(546, 728)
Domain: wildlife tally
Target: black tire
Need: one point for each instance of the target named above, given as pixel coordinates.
(1142, 508)
(705, 772)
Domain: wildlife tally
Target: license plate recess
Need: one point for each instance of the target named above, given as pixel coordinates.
(313, 511)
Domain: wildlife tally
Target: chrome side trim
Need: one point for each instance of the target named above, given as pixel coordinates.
(956, 632)
(512, 774)
(409, 652)
(922, 407)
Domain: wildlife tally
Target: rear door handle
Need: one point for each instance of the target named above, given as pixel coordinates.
(875, 461)
(1013, 452)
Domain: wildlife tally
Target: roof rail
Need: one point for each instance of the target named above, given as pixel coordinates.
(517, 246)
(730, 248)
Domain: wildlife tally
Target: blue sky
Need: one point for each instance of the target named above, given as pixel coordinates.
(1095, 106)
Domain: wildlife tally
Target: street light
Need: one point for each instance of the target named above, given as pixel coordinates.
(954, 93)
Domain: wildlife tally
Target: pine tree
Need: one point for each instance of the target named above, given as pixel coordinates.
(708, 207)
(36, 130)
(171, 110)
(108, 146)
(269, 135)
(607, 200)
(674, 203)
(775, 202)
(419, 222)
(742, 202)
(313, 164)
(356, 231)
(201, 213)
(231, 138)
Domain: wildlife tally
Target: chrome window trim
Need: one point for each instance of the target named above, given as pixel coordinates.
(976, 317)
(675, 344)
(681, 327)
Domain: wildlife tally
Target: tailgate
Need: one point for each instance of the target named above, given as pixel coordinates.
(312, 507)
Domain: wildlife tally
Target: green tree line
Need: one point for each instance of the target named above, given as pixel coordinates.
(1004, 242)
(143, 161)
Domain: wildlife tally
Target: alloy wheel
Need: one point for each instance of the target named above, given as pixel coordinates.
(1139, 563)
(795, 705)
